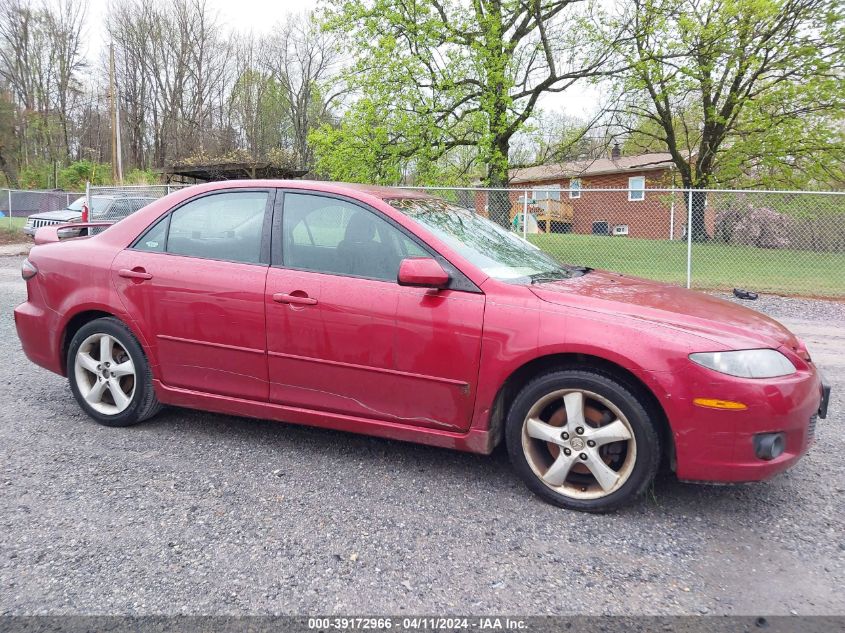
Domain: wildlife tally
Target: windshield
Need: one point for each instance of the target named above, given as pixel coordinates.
(76, 205)
(98, 202)
(498, 252)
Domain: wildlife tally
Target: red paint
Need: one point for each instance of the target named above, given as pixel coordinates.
(422, 272)
(411, 363)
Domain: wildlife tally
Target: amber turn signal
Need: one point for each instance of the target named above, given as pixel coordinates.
(713, 403)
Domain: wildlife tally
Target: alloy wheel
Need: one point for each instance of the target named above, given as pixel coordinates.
(105, 374)
(579, 444)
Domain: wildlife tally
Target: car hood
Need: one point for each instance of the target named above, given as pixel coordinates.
(65, 215)
(723, 322)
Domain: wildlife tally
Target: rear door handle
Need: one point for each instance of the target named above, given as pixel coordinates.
(134, 274)
(281, 297)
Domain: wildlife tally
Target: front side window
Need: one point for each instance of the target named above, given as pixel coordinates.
(636, 188)
(99, 207)
(498, 252)
(225, 226)
(118, 210)
(330, 235)
(136, 204)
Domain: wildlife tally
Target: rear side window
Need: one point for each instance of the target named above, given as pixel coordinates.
(154, 239)
(225, 226)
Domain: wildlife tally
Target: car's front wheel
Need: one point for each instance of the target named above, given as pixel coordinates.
(582, 440)
(109, 374)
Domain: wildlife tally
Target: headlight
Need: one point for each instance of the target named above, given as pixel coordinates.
(749, 363)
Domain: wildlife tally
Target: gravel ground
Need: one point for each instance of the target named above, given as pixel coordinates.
(197, 513)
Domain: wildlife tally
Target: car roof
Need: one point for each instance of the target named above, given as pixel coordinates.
(376, 191)
(379, 191)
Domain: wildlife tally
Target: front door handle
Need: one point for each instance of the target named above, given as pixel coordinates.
(281, 297)
(135, 273)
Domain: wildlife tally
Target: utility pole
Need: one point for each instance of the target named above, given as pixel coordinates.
(116, 153)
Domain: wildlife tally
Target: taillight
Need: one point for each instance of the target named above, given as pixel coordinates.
(28, 269)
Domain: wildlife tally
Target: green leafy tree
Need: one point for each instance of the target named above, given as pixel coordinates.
(437, 75)
(728, 87)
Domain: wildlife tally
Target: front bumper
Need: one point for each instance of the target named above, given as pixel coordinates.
(716, 445)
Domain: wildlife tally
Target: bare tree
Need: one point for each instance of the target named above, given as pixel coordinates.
(301, 56)
(63, 23)
(185, 85)
(40, 61)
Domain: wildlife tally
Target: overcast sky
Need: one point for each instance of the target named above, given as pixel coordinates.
(259, 16)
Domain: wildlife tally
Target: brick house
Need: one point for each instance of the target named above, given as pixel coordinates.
(633, 211)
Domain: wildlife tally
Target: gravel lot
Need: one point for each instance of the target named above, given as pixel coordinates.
(198, 513)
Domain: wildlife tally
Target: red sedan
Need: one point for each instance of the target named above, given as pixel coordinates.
(396, 314)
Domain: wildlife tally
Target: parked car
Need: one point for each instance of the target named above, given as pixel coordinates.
(396, 314)
(109, 208)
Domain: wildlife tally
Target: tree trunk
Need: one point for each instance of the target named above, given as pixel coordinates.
(498, 202)
(699, 206)
(8, 169)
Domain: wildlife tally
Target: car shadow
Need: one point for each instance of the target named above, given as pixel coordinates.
(475, 472)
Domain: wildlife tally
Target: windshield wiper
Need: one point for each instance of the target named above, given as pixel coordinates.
(558, 275)
(551, 275)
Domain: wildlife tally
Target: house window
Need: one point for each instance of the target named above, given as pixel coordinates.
(546, 192)
(575, 188)
(636, 188)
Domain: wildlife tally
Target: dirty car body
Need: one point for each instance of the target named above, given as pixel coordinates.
(390, 313)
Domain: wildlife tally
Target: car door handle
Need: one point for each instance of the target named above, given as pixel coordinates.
(281, 297)
(134, 274)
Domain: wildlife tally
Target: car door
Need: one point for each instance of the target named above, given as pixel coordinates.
(344, 337)
(194, 282)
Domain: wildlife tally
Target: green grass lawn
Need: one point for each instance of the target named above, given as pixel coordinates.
(10, 231)
(714, 266)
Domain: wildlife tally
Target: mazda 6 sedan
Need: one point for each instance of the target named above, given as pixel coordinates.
(400, 315)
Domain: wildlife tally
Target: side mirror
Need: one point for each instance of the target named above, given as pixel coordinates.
(423, 272)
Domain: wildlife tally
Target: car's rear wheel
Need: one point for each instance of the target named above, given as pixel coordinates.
(109, 374)
(582, 440)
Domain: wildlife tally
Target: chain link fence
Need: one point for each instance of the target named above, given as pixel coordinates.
(16, 205)
(113, 203)
(787, 242)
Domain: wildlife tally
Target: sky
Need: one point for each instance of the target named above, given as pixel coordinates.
(259, 16)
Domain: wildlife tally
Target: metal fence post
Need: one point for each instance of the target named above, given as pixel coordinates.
(672, 218)
(88, 199)
(689, 238)
(525, 214)
(10, 209)
(168, 189)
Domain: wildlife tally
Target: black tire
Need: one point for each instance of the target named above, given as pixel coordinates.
(645, 458)
(143, 404)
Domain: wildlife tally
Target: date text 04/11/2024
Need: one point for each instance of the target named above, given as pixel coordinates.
(429, 623)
